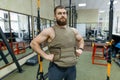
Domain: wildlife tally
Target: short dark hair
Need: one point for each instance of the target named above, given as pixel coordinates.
(58, 7)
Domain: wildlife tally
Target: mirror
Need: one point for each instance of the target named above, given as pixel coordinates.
(18, 31)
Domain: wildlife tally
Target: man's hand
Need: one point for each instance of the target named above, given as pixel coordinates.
(50, 57)
(78, 52)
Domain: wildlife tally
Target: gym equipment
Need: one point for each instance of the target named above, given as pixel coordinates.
(110, 40)
(109, 53)
(10, 50)
(40, 74)
(72, 16)
(32, 61)
(117, 59)
(8, 36)
(110, 19)
(18, 46)
(3, 57)
(72, 13)
(98, 56)
(117, 49)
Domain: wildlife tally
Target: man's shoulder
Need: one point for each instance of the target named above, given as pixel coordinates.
(74, 30)
(48, 30)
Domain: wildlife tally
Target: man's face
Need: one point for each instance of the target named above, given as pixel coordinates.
(61, 17)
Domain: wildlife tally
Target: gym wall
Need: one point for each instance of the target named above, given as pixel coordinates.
(87, 16)
(29, 7)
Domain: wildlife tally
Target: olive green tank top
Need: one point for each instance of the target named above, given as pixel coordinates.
(63, 47)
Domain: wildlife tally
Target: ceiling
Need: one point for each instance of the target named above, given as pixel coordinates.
(91, 4)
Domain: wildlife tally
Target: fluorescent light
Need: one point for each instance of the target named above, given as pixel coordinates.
(82, 4)
(101, 11)
(115, 2)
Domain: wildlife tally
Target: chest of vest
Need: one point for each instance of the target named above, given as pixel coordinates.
(63, 47)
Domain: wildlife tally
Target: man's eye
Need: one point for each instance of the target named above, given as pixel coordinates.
(59, 13)
(64, 12)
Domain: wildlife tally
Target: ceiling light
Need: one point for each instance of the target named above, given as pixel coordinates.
(82, 4)
(101, 11)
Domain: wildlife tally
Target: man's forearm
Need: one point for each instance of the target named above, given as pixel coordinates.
(38, 49)
(81, 43)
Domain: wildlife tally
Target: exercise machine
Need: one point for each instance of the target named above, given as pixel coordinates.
(40, 73)
(32, 61)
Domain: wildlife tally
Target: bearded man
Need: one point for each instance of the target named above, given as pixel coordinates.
(65, 45)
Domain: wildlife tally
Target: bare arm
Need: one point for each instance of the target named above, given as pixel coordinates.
(35, 44)
(80, 44)
(80, 40)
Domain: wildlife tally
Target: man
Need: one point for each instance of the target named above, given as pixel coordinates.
(64, 44)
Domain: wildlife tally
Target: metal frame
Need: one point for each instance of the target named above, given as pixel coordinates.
(110, 39)
(10, 50)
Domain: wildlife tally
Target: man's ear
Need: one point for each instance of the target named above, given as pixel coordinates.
(54, 17)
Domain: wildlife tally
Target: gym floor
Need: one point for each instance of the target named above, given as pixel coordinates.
(85, 70)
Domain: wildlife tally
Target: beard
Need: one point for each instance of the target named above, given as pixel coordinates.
(61, 22)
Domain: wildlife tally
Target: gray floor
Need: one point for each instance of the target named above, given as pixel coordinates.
(9, 58)
(85, 70)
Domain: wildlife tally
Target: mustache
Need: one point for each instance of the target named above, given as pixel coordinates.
(62, 17)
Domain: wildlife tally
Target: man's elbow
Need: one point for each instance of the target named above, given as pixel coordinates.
(31, 43)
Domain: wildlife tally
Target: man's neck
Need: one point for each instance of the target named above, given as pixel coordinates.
(62, 26)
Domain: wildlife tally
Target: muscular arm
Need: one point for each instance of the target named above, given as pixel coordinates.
(35, 44)
(80, 41)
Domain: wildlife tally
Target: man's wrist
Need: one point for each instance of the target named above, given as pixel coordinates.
(81, 49)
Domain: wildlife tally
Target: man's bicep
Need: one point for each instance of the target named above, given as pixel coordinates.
(78, 36)
(41, 37)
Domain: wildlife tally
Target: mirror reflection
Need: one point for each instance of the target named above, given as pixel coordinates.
(17, 29)
(19, 33)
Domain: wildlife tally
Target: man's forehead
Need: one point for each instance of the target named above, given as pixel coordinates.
(60, 10)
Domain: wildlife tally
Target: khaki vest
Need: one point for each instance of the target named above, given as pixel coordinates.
(63, 47)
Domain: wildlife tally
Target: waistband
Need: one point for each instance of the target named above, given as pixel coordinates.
(63, 68)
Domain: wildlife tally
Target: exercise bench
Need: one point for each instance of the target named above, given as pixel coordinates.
(98, 54)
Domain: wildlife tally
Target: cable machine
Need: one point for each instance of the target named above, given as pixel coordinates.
(72, 13)
(40, 73)
(110, 39)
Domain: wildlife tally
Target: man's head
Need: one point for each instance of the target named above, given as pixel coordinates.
(60, 14)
